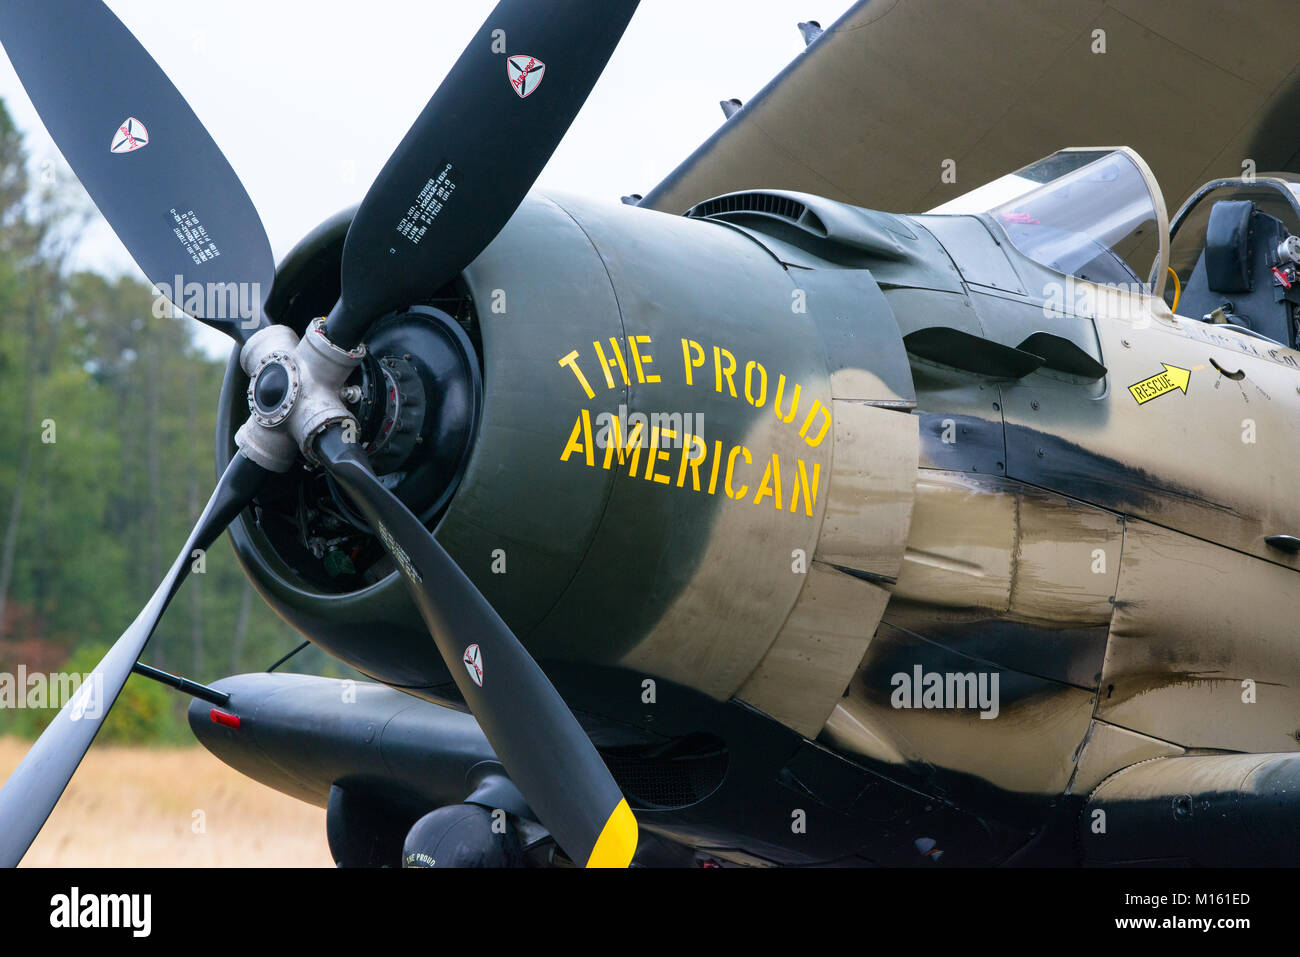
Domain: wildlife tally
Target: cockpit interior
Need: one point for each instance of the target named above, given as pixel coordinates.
(1234, 250)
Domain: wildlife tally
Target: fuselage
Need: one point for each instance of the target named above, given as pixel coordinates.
(789, 456)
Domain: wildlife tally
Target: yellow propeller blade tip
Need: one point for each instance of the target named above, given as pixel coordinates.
(617, 841)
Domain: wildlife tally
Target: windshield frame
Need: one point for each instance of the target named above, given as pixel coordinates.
(1015, 188)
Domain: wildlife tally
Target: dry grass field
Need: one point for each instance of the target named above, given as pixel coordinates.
(136, 807)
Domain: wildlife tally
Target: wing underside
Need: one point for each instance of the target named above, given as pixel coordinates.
(902, 105)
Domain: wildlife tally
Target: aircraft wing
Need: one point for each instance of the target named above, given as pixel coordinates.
(874, 110)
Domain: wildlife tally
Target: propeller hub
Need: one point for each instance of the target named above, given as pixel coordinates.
(294, 393)
(274, 389)
(418, 409)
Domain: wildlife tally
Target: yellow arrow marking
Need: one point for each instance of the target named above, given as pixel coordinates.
(1162, 383)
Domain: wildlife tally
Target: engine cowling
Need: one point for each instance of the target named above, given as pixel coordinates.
(672, 433)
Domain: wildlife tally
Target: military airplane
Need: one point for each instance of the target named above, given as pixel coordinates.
(752, 524)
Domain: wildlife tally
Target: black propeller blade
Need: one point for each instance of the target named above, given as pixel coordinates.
(31, 792)
(455, 180)
(144, 157)
(547, 754)
(474, 153)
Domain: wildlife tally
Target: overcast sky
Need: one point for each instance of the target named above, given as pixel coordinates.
(307, 99)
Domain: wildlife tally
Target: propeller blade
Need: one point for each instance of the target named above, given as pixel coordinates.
(544, 749)
(144, 157)
(473, 154)
(31, 792)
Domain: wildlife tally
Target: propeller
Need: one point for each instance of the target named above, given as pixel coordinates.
(36, 785)
(473, 154)
(452, 184)
(530, 727)
(146, 160)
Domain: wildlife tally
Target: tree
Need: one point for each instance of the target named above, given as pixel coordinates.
(94, 506)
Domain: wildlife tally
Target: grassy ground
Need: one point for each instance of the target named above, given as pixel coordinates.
(176, 807)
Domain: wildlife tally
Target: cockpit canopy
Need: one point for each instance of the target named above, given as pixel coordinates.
(1096, 214)
(1232, 252)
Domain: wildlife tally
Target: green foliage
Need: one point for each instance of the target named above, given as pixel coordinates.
(107, 418)
(144, 711)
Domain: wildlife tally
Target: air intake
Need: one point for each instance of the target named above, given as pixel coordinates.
(833, 231)
(774, 205)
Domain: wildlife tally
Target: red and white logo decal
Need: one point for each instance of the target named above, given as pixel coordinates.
(130, 136)
(526, 73)
(474, 664)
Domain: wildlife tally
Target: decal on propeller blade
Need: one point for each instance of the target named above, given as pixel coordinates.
(474, 664)
(399, 554)
(194, 236)
(433, 199)
(525, 73)
(130, 136)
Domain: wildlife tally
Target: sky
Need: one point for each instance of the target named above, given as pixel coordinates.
(308, 99)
